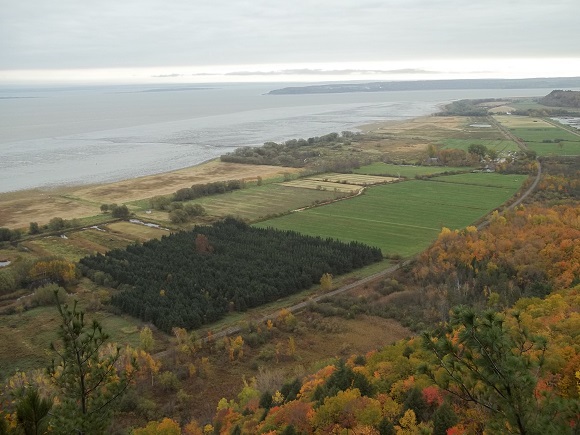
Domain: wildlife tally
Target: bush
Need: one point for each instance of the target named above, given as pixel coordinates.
(120, 212)
(160, 202)
(8, 235)
(8, 282)
(45, 295)
(56, 224)
(178, 216)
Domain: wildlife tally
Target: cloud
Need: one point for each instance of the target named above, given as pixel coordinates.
(146, 33)
(341, 72)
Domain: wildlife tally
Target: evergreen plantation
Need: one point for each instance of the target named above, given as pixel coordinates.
(192, 278)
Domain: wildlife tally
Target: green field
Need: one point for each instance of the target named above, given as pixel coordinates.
(501, 146)
(555, 149)
(544, 133)
(407, 171)
(402, 218)
(541, 138)
(263, 201)
(511, 182)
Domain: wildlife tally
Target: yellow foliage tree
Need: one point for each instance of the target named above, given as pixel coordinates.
(407, 424)
(166, 426)
(326, 282)
(146, 339)
(235, 348)
(291, 346)
(60, 271)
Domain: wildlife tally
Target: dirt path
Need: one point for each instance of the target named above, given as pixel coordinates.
(302, 305)
(508, 134)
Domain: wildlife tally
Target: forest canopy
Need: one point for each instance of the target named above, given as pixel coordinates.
(191, 278)
(560, 98)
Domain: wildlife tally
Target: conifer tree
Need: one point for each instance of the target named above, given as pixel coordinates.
(88, 382)
(493, 362)
(32, 413)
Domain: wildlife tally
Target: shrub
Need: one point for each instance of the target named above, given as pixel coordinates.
(45, 295)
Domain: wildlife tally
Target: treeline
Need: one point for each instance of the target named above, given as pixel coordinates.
(54, 225)
(465, 108)
(57, 224)
(180, 213)
(191, 278)
(292, 153)
(208, 189)
(560, 98)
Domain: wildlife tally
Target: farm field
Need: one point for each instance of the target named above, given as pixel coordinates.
(542, 137)
(310, 183)
(407, 171)
(167, 183)
(501, 146)
(260, 201)
(401, 218)
(556, 149)
(357, 179)
(509, 181)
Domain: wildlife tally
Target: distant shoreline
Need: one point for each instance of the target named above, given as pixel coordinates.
(424, 85)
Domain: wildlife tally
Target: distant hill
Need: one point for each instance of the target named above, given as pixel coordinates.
(561, 98)
(562, 82)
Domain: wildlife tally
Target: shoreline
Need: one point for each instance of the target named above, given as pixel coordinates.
(63, 189)
(20, 207)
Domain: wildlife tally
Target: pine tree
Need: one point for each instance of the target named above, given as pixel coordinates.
(491, 362)
(32, 413)
(88, 382)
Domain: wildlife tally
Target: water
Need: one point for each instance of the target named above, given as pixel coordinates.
(570, 121)
(68, 136)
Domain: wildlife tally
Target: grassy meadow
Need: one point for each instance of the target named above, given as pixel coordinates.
(404, 218)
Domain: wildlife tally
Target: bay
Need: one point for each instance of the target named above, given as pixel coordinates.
(81, 135)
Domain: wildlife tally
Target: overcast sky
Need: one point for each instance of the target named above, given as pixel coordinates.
(166, 34)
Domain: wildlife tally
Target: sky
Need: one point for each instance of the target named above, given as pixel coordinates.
(267, 40)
